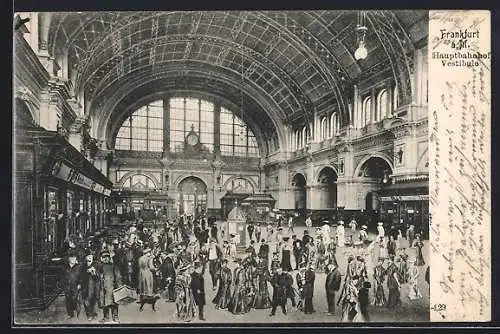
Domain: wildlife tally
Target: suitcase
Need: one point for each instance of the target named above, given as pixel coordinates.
(124, 295)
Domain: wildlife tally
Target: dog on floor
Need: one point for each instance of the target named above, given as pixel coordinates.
(148, 300)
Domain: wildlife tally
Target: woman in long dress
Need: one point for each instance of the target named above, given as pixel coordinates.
(184, 301)
(340, 234)
(420, 257)
(379, 277)
(414, 292)
(350, 303)
(403, 266)
(393, 285)
(236, 304)
(262, 299)
(223, 296)
(146, 279)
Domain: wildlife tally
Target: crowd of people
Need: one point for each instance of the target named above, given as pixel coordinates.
(171, 261)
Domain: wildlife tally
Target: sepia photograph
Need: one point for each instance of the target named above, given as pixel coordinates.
(221, 167)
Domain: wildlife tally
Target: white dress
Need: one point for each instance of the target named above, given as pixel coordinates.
(381, 232)
(340, 235)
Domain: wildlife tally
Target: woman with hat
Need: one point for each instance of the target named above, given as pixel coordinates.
(146, 269)
(363, 235)
(184, 300)
(262, 299)
(379, 277)
(340, 234)
(223, 296)
(419, 245)
(236, 304)
(414, 291)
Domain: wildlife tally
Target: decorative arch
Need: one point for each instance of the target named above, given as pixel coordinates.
(380, 155)
(236, 177)
(181, 178)
(149, 175)
(303, 174)
(382, 110)
(25, 110)
(320, 168)
(423, 160)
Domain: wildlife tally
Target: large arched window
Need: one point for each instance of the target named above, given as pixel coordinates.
(365, 116)
(235, 136)
(382, 105)
(188, 114)
(143, 130)
(334, 124)
(324, 128)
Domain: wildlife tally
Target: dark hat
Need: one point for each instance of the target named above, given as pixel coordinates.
(72, 253)
(294, 235)
(367, 285)
(286, 238)
(105, 254)
(224, 260)
(355, 277)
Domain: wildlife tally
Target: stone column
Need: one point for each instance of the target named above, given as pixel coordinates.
(50, 111)
(217, 128)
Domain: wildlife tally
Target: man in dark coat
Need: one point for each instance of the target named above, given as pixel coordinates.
(309, 290)
(332, 285)
(109, 279)
(198, 289)
(280, 282)
(213, 232)
(71, 281)
(90, 286)
(264, 252)
(250, 229)
(168, 275)
(297, 250)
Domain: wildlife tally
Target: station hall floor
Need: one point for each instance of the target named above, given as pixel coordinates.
(410, 311)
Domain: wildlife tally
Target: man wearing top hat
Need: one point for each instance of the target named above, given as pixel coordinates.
(198, 289)
(71, 281)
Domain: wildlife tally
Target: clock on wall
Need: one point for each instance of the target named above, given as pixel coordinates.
(192, 139)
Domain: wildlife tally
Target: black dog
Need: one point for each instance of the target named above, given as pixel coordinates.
(148, 300)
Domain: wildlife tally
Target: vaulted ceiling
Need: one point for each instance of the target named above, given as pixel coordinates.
(283, 65)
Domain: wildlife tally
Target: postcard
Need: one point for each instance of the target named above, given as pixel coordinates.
(214, 168)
